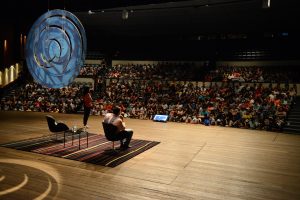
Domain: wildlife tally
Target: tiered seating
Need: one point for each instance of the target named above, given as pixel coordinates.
(166, 71)
(145, 90)
(293, 118)
(33, 97)
(254, 74)
(231, 105)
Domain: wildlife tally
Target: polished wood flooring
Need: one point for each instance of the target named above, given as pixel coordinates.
(191, 162)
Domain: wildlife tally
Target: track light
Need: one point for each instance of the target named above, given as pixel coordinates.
(124, 14)
(266, 3)
(91, 12)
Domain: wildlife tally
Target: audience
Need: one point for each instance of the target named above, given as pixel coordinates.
(34, 97)
(166, 71)
(254, 74)
(234, 105)
(142, 91)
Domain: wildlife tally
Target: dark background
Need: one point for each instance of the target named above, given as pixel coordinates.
(161, 29)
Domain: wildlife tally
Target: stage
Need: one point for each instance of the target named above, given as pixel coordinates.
(191, 162)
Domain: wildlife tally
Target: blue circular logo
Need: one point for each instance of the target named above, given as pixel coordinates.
(56, 49)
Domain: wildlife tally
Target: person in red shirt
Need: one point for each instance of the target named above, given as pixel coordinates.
(87, 105)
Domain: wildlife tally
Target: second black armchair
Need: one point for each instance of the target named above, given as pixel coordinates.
(55, 126)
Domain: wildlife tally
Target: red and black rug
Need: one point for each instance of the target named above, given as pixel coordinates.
(99, 150)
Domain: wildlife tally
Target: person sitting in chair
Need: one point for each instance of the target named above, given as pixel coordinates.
(116, 119)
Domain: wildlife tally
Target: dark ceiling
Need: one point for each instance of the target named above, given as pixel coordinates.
(194, 17)
(164, 17)
(151, 23)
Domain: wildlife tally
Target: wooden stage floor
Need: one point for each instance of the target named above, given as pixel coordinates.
(191, 162)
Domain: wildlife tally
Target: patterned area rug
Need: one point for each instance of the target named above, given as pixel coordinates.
(99, 150)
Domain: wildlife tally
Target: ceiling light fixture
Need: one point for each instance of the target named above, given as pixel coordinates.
(91, 12)
(124, 14)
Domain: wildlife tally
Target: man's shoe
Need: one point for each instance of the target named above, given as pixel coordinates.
(126, 147)
(121, 147)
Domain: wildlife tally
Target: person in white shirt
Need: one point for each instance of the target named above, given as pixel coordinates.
(116, 119)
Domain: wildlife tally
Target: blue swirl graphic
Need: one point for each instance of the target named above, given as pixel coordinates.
(56, 49)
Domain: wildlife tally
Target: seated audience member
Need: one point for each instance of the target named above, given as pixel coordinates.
(280, 113)
(206, 120)
(117, 120)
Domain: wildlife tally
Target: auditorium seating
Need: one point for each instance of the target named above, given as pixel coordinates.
(249, 104)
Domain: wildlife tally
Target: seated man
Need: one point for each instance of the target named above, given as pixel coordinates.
(115, 119)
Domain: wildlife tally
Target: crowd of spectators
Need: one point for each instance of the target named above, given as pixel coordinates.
(98, 73)
(253, 74)
(142, 91)
(166, 71)
(34, 97)
(229, 104)
(93, 70)
(189, 72)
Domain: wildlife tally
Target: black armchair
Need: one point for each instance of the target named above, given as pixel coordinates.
(56, 127)
(110, 133)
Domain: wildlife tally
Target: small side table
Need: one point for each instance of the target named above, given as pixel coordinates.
(78, 132)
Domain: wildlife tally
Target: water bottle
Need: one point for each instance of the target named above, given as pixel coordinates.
(74, 128)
